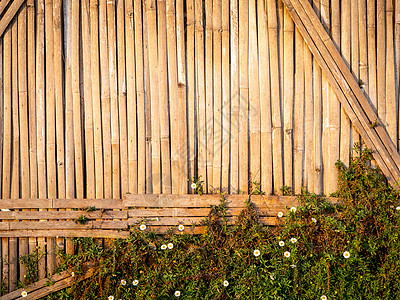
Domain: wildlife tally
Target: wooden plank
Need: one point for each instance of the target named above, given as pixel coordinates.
(1, 134)
(9, 15)
(3, 5)
(381, 59)
(371, 24)
(61, 215)
(83, 203)
(62, 225)
(93, 233)
(6, 203)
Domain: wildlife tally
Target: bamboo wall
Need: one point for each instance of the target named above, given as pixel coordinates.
(100, 98)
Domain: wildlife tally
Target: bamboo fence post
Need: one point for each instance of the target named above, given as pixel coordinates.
(23, 124)
(112, 63)
(87, 98)
(217, 94)
(122, 96)
(151, 14)
(140, 97)
(275, 96)
(244, 96)
(163, 93)
(280, 22)
(288, 96)
(381, 59)
(226, 113)
(254, 98)
(200, 92)
(105, 99)
(131, 98)
(209, 94)
(397, 55)
(371, 24)
(235, 96)
(1, 140)
(190, 40)
(391, 115)
(41, 117)
(265, 100)
(363, 41)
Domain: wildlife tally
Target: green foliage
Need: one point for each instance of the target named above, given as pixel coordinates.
(81, 220)
(317, 235)
(197, 185)
(256, 189)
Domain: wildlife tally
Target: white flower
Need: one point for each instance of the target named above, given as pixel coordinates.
(72, 274)
(135, 282)
(226, 283)
(346, 254)
(163, 247)
(293, 209)
(123, 282)
(272, 277)
(142, 227)
(398, 208)
(287, 254)
(177, 293)
(256, 253)
(6, 209)
(181, 227)
(314, 220)
(110, 297)
(323, 297)
(293, 240)
(280, 214)
(281, 243)
(293, 266)
(170, 246)
(24, 294)
(193, 185)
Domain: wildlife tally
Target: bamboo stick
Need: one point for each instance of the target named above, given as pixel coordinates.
(163, 93)
(397, 54)
(363, 43)
(131, 98)
(226, 113)
(23, 124)
(381, 60)
(140, 98)
(105, 99)
(112, 63)
(209, 94)
(200, 92)
(2, 79)
(372, 53)
(280, 20)
(391, 116)
(235, 97)
(275, 96)
(122, 96)
(217, 93)
(244, 96)
(9, 15)
(288, 97)
(3, 5)
(154, 92)
(254, 98)
(265, 100)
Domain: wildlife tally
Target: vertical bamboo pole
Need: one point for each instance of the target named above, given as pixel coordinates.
(288, 96)
(87, 96)
(254, 98)
(23, 124)
(226, 112)
(265, 100)
(163, 92)
(345, 45)
(371, 24)
(112, 62)
(235, 96)
(200, 92)
(280, 20)
(1, 141)
(391, 106)
(275, 96)
(217, 77)
(381, 59)
(363, 42)
(154, 94)
(140, 98)
(209, 94)
(41, 119)
(397, 55)
(122, 96)
(181, 59)
(105, 98)
(190, 40)
(131, 98)
(244, 96)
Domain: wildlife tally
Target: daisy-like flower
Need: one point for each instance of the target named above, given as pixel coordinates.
(346, 254)
(163, 247)
(181, 227)
(293, 266)
(110, 297)
(143, 227)
(280, 214)
(24, 294)
(256, 252)
(281, 243)
(226, 283)
(72, 274)
(314, 220)
(293, 240)
(287, 254)
(293, 209)
(398, 208)
(193, 185)
(170, 246)
(123, 282)
(177, 293)
(135, 282)
(323, 297)
(272, 277)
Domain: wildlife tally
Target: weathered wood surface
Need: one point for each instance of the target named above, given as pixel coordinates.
(9, 14)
